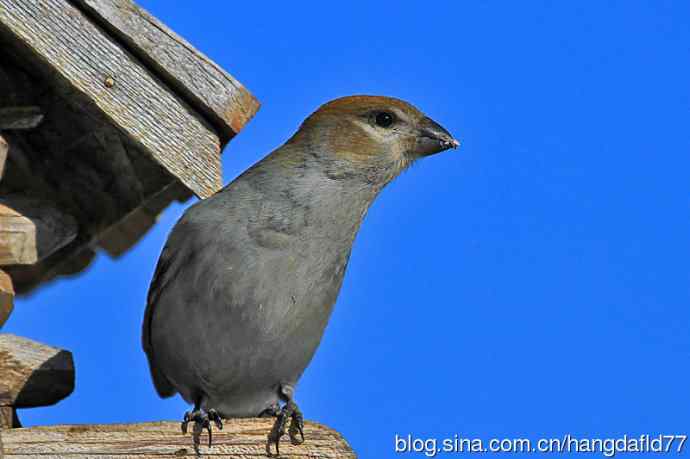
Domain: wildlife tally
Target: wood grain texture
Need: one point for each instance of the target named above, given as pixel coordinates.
(239, 439)
(17, 238)
(6, 297)
(20, 117)
(208, 87)
(86, 59)
(32, 229)
(33, 374)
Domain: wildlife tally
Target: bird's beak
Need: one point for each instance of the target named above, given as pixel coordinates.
(433, 138)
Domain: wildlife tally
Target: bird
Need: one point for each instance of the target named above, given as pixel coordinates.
(248, 278)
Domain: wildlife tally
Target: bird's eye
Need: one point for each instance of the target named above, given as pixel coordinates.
(384, 119)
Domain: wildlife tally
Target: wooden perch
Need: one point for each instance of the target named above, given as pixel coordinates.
(210, 89)
(20, 117)
(239, 439)
(33, 374)
(6, 297)
(32, 229)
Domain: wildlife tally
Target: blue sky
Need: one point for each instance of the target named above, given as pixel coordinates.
(533, 283)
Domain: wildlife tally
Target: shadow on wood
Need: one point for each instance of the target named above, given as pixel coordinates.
(240, 438)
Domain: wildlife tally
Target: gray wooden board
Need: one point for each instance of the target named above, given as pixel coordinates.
(208, 87)
(138, 103)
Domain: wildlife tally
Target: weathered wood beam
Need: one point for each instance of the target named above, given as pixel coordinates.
(32, 229)
(20, 117)
(33, 374)
(208, 87)
(6, 297)
(112, 82)
(240, 438)
(17, 238)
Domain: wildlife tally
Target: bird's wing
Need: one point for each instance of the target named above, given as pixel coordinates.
(160, 278)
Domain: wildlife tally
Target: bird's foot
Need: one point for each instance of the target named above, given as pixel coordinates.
(291, 411)
(202, 420)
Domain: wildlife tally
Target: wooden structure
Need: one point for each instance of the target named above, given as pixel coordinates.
(106, 116)
(32, 375)
(240, 438)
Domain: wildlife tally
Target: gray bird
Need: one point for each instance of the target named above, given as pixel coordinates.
(247, 280)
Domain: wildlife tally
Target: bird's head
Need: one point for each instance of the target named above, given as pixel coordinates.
(375, 135)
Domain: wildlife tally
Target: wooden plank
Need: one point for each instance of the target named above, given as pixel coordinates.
(33, 374)
(32, 229)
(90, 62)
(20, 117)
(209, 88)
(17, 238)
(240, 438)
(6, 297)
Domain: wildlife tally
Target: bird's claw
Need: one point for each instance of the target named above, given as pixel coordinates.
(185, 421)
(296, 426)
(274, 435)
(290, 411)
(215, 417)
(202, 420)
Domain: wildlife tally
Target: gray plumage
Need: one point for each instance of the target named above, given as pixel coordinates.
(248, 278)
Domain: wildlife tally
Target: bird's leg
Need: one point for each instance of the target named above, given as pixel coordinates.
(296, 427)
(202, 420)
(289, 411)
(278, 429)
(296, 418)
